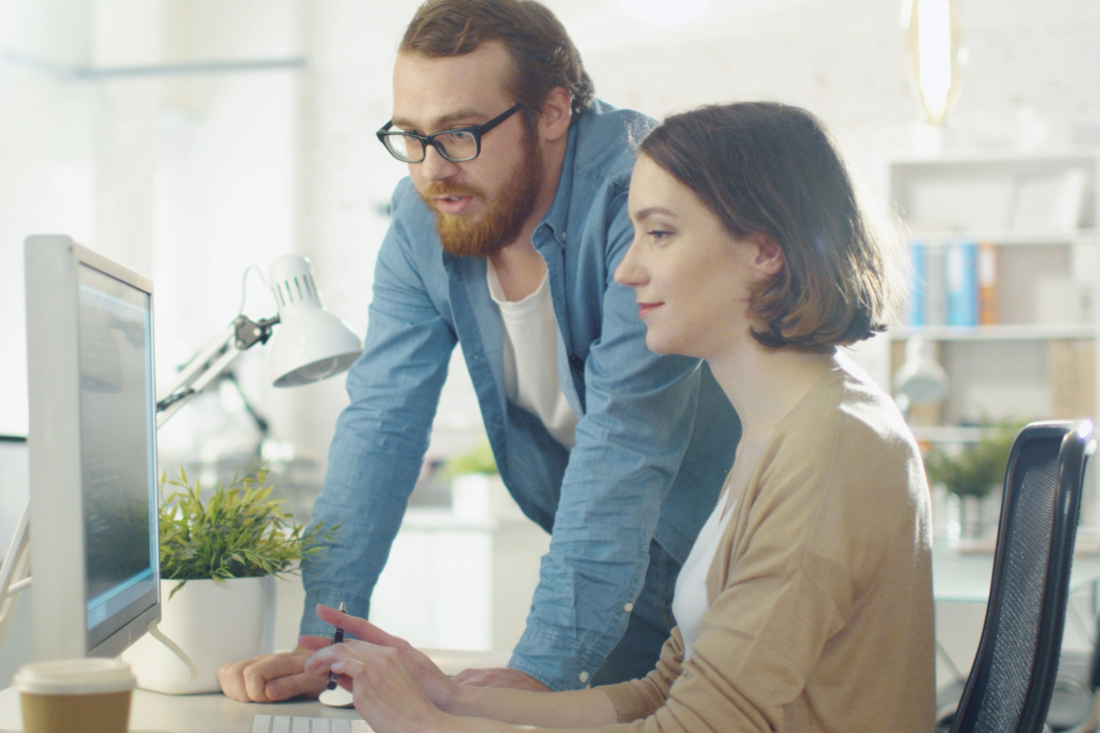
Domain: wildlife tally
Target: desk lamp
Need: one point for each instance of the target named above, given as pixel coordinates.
(312, 344)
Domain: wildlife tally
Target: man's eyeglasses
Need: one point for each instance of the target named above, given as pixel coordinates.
(457, 145)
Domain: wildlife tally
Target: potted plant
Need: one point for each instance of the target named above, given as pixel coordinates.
(477, 491)
(969, 475)
(218, 561)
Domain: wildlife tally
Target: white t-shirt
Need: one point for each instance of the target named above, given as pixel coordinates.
(531, 358)
(689, 601)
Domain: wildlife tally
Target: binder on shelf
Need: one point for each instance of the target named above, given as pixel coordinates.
(1071, 366)
(917, 284)
(935, 295)
(987, 283)
(961, 283)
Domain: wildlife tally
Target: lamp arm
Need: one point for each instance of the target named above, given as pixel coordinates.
(14, 572)
(211, 362)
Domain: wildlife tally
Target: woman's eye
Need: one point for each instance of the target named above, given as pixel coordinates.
(659, 234)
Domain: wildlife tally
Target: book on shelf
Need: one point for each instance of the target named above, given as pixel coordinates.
(935, 295)
(953, 284)
(918, 284)
(1071, 366)
(961, 283)
(987, 283)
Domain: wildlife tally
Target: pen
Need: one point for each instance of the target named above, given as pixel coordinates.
(337, 638)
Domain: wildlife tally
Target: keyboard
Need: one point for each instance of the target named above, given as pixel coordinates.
(299, 724)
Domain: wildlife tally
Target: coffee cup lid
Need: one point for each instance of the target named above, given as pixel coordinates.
(74, 677)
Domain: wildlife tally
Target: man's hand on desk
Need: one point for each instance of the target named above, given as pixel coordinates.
(499, 677)
(270, 678)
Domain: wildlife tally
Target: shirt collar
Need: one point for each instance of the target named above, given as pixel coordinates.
(557, 217)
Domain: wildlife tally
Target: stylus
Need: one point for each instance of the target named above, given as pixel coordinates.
(337, 638)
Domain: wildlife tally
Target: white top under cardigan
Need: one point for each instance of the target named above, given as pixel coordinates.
(689, 601)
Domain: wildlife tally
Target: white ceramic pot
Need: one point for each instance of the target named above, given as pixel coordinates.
(964, 519)
(483, 498)
(214, 623)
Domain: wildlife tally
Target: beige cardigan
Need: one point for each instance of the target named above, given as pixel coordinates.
(821, 612)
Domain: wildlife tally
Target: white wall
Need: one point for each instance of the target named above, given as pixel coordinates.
(189, 178)
(227, 191)
(45, 178)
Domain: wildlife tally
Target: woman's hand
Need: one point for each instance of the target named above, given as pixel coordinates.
(394, 686)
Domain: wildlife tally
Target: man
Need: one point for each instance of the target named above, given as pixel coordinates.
(504, 239)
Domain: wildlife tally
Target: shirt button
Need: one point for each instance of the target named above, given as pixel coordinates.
(628, 607)
(583, 677)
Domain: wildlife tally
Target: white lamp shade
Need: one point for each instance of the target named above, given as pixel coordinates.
(310, 344)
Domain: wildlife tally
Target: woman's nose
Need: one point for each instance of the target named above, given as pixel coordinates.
(629, 272)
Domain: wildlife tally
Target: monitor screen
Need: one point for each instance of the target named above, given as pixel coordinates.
(92, 451)
(117, 450)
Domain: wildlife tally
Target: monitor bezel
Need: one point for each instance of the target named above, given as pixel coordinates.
(60, 628)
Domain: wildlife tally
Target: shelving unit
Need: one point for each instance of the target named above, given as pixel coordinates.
(1032, 356)
(999, 332)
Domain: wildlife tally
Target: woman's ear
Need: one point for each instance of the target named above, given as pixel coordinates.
(768, 258)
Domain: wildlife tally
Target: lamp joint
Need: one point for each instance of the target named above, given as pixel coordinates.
(249, 332)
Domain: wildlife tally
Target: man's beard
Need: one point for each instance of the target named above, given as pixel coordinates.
(503, 219)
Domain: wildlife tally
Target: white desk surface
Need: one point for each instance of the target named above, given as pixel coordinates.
(152, 712)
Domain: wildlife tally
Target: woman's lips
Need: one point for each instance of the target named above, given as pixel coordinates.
(452, 204)
(644, 309)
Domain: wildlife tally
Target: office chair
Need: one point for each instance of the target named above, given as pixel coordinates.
(1011, 682)
(1075, 706)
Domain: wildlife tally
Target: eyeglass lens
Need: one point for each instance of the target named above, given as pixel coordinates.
(459, 145)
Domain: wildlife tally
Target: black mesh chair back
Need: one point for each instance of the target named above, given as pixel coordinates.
(1012, 679)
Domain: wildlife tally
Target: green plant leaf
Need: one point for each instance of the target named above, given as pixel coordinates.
(240, 532)
(977, 468)
(478, 460)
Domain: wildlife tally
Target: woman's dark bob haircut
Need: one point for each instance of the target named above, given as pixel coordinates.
(770, 168)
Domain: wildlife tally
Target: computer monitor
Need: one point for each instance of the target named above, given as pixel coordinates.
(92, 451)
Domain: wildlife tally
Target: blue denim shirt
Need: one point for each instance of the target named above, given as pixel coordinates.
(654, 441)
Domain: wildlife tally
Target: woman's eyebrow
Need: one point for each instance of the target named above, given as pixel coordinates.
(651, 211)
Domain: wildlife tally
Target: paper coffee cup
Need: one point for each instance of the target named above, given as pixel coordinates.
(89, 695)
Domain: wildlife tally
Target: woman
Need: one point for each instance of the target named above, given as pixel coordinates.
(806, 603)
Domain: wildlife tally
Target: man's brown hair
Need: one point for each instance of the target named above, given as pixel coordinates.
(542, 54)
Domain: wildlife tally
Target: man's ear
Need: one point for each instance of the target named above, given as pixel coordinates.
(556, 114)
(768, 258)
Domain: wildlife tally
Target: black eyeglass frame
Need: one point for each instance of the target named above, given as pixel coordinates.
(425, 140)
